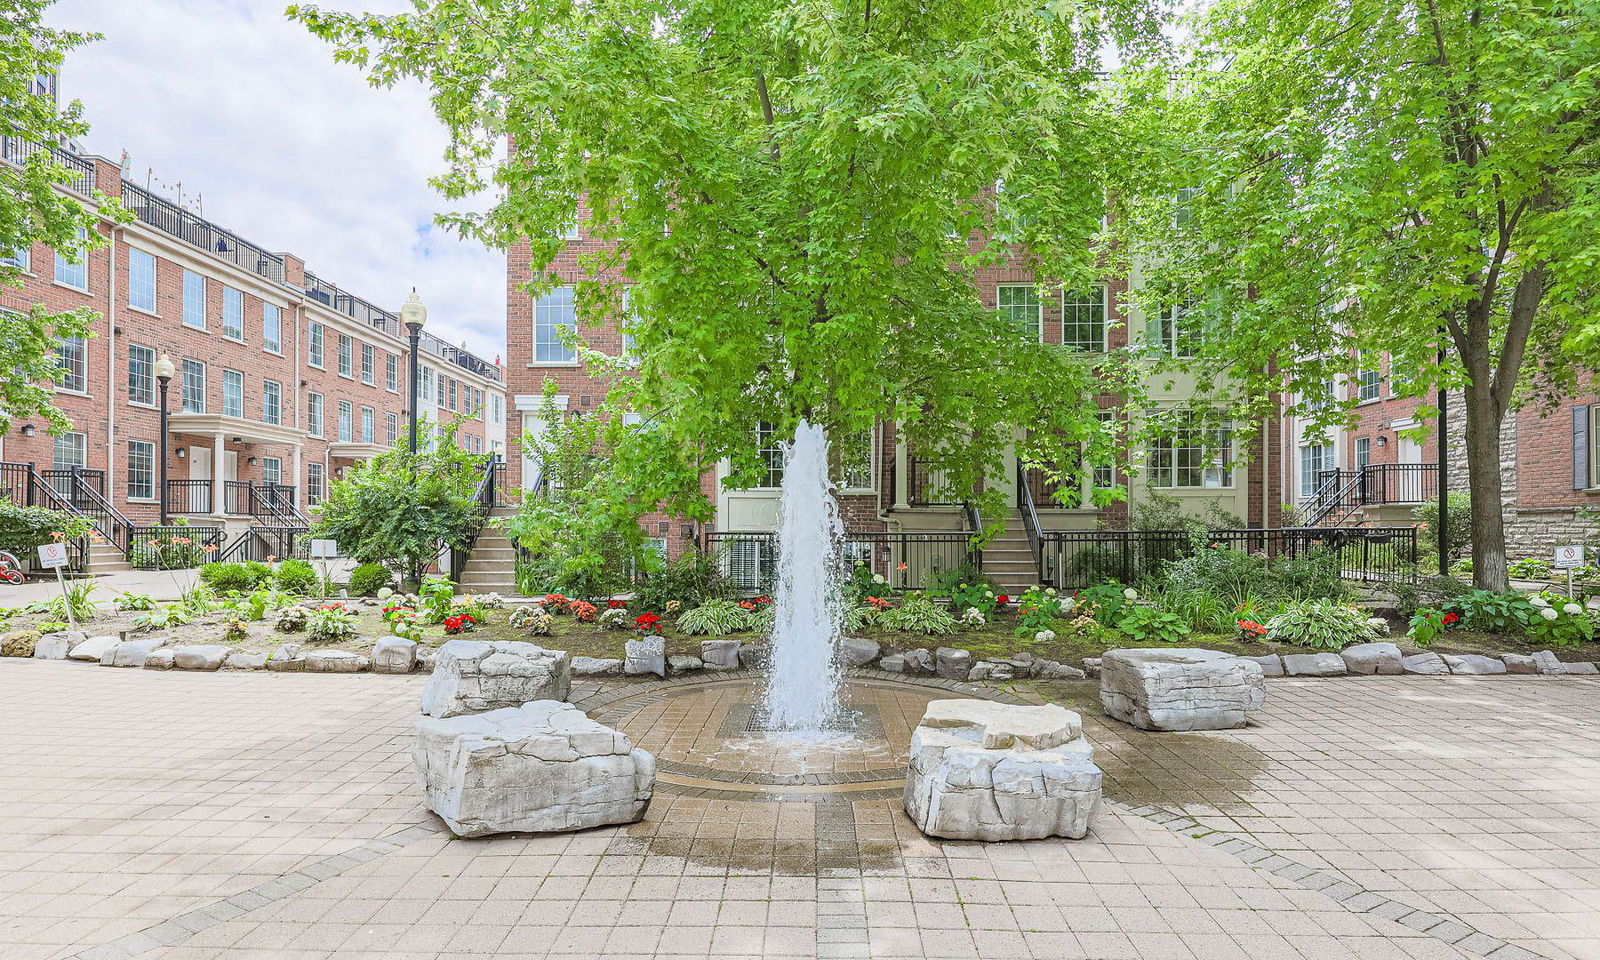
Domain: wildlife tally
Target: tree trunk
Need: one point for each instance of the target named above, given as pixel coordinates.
(1484, 422)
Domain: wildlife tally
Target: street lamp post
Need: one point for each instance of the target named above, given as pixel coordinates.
(164, 371)
(413, 314)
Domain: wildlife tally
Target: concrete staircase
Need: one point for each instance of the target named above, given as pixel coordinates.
(1009, 560)
(104, 558)
(492, 567)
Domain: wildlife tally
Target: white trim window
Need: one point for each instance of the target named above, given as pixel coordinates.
(1019, 303)
(369, 364)
(316, 339)
(141, 375)
(316, 484)
(496, 408)
(232, 314)
(271, 328)
(771, 454)
(314, 410)
(1169, 333)
(271, 402)
(347, 354)
(347, 413)
(554, 319)
(272, 470)
(851, 461)
(194, 386)
(73, 354)
(391, 428)
(232, 394)
(1369, 383)
(1314, 459)
(630, 342)
(391, 372)
(141, 280)
(1363, 452)
(141, 470)
(1192, 455)
(74, 273)
(69, 450)
(1083, 319)
(194, 300)
(369, 425)
(20, 259)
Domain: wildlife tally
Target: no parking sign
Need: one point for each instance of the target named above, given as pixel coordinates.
(1568, 557)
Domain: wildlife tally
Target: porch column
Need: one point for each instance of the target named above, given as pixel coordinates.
(902, 483)
(219, 503)
(299, 479)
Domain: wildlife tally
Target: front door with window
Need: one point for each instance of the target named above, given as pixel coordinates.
(1409, 483)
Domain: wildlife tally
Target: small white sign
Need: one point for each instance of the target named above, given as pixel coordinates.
(324, 549)
(1568, 557)
(52, 555)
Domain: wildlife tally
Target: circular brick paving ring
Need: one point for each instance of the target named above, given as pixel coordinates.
(716, 718)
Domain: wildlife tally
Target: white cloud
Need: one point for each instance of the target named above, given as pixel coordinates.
(285, 147)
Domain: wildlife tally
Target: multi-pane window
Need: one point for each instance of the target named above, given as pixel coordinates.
(495, 409)
(391, 427)
(272, 470)
(1104, 476)
(346, 415)
(314, 414)
(141, 280)
(194, 300)
(1192, 454)
(369, 429)
(194, 386)
(315, 340)
(1169, 333)
(70, 450)
(554, 318)
(630, 346)
(426, 387)
(141, 374)
(1368, 382)
(346, 355)
(141, 470)
(74, 273)
(753, 563)
(850, 461)
(771, 455)
(452, 384)
(391, 371)
(1019, 303)
(316, 484)
(232, 313)
(368, 364)
(1314, 458)
(477, 406)
(73, 353)
(1083, 319)
(1363, 451)
(271, 327)
(21, 258)
(271, 401)
(232, 393)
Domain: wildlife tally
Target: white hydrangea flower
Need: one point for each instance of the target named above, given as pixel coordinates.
(878, 578)
(1068, 605)
(1130, 594)
(1045, 636)
(973, 617)
(1050, 591)
(1539, 602)
(1572, 608)
(1547, 613)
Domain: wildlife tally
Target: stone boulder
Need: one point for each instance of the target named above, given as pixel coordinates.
(294, 664)
(1546, 663)
(1518, 663)
(474, 676)
(245, 660)
(919, 662)
(1091, 667)
(1314, 665)
(893, 663)
(539, 768)
(131, 652)
(1584, 668)
(1043, 669)
(952, 664)
(595, 667)
(199, 656)
(1271, 664)
(1180, 688)
(720, 653)
(1425, 664)
(56, 646)
(1368, 659)
(336, 661)
(994, 670)
(857, 651)
(163, 659)
(989, 771)
(394, 655)
(20, 643)
(1473, 665)
(646, 655)
(754, 656)
(93, 648)
(683, 663)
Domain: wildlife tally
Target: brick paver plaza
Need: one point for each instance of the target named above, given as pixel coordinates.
(275, 816)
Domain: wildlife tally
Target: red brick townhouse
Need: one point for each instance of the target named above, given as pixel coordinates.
(281, 380)
(888, 492)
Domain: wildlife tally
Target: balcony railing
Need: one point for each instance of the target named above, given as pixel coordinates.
(80, 170)
(172, 219)
(375, 316)
(273, 502)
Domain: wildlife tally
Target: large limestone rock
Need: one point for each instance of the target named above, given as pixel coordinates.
(93, 648)
(953, 664)
(394, 655)
(131, 652)
(1367, 659)
(595, 666)
(1314, 665)
(645, 655)
(56, 646)
(1425, 664)
(683, 663)
(1546, 662)
(473, 676)
(245, 660)
(1271, 664)
(539, 768)
(20, 643)
(918, 662)
(163, 659)
(1585, 668)
(1473, 665)
(858, 651)
(336, 661)
(988, 771)
(893, 663)
(1181, 688)
(199, 656)
(1043, 669)
(720, 653)
(1518, 663)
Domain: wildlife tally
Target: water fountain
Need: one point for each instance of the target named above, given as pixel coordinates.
(802, 688)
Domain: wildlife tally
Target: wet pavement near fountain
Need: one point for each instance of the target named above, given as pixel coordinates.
(191, 816)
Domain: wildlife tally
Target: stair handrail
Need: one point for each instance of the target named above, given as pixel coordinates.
(1339, 489)
(114, 518)
(1030, 524)
(276, 508)
(483, 496)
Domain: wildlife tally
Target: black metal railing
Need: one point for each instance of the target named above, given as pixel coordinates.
(264, 543)
(275, 504)
(905, 560)
(928, 486)
(172, 219)
(81, 491)
(80, 170)
(373, 315)
(189, 496)
(173, 547)
(1030, 519)
(236, 497)
(486, 496)
(1399, 483)
(16, 482)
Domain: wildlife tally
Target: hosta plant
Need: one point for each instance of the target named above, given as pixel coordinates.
(331, 624)
(160, 618)
(1150, 624)
(918, 614)
(1320, 625)
(714, 618)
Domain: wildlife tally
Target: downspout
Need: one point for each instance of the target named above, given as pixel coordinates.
(111, 373)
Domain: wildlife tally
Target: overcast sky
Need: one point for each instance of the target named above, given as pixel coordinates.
(285, 147)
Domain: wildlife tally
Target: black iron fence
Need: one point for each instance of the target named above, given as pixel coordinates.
(173, 547)
(80, 171)
(264, 543)
(905, 561)
(172, 219)
(189, 496)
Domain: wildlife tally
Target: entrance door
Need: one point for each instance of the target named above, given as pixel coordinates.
(199, 496)
(1409, 483)
(534, 425)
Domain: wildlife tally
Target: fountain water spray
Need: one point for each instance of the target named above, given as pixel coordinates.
(802, 690)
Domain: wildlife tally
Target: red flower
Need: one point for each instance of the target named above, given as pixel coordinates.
(616, 604)
(649, 623)
(1001, 600)
(1451, 619)
(583, 610)
(452, 625)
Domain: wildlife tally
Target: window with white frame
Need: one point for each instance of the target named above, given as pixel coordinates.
(272, 470)
(850, 461)
(347, 354)
(391, 372)
(1083, 319)
(391, 428)
(1192, 454)
(194, 386)
(70, 450)
(1363, 451)
(771, 455)
(1314, 458)
(316, 337)
(21, 258)
(425, 378)
(554, 319)
(452, 385)
(194, 300)
(232, 393)
(316, 484)
(369, 431)
(496, 410)
(753, 563)
(1369, 382)
(73, 354)
(346, 415)
(314, 412)
(368, 364)
(141, 280)
(1169, 332)
(1104, 475)
(271, 327)
(141, 470)
(141, 374)
(630, 346)
(74, 272)
(271, 402)
(1019, 303)
(232, 313)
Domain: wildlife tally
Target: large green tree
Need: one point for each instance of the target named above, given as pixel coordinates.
(1326, 182)
(798, 194)
(33, 208)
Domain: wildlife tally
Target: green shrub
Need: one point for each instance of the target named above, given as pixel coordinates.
(946, 582)
(135, 601)
(291, 619)
(78, 600)
(1426, 626)
(692, 579)
(160, 618)
(1505, 613)
(1147, 624)
(1459, 532)
(1037, 610)
(918, 614)
(330, 624)
(368, 578)
(1559, 622)
(237, 577)
(24, 528)
(296, 577)
(1320, 625)
(713, 618)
